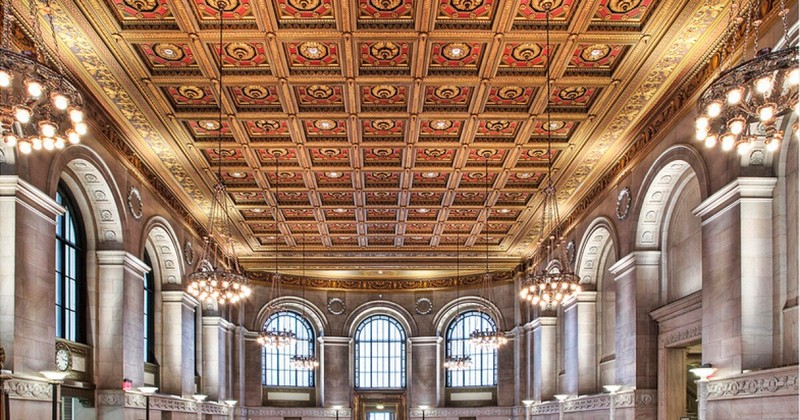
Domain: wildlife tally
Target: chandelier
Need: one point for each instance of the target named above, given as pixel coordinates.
(741, 107)
(299, 361)
(462, 362)
(219, 284)
(39, 107)
(550, 287)
(274, 337)
(491, 337)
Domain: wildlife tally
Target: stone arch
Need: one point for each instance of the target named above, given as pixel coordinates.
(463, 304)
(668, 174)
(96, 192)
(162, 243)
(293, 303)
(377, 307)
(593, 248)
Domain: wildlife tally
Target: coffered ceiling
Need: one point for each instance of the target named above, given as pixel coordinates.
(380, 114)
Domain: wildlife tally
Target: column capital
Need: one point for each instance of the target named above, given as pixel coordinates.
(31, 197)
(176, 296)
(543, 321)
(743, 188)
(425, 341)
(634, 259)
(118, 257)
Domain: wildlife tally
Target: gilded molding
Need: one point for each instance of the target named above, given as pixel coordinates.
(400, 285)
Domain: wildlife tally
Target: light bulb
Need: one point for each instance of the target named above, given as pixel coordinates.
(47, 129)
(5, 78)
(81, 128)
(60, 143)
(736, 126)
(25, 147)
(34, 88)
(75, 138)
(76, 115)
(10, 140)
(711, 141)
(701, 123)
(523, 293)
(700, 135)
(48, 143)
(36, 143)
(766, 112)
(794, 76)
(734, 96)
(743, 148)
(22, 114)
(773, 144)
(764, 84)
(60, 101)
(714, 109)
(728, 141)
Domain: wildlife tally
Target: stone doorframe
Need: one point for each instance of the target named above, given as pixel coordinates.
(679, 325)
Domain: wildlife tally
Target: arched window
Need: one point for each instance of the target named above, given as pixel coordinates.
(149, 313)
(483, 371)
(276, 367)
(380, 353)
(70, 271)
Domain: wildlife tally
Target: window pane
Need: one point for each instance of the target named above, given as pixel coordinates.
(483, 371)
(277, 370)
(380, 359)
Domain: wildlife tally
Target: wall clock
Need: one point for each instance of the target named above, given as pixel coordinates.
(623, 203)
(63, 358)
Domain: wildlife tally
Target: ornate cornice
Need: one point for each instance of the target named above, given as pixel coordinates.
(464, 412)
(297, 412)
(767, 383)
(380, 284)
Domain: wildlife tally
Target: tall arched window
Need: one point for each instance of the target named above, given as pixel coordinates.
(276, 369)
(483, 371)
(380, 353)
(149, 313)
(70, 271)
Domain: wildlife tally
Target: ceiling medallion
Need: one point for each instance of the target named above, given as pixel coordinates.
(510, 92)
(571, 93)
(383, 91)
(320, 91)
(192, 92)
(595, 52)
(225, 5)
(336, 306)
(553, 125)
(168, 51)
(466, 5)
(255, 92)
(384, 50)
(305, 5)
(423, 306)
(142, 6)
(623, 6)
(623, 203)
(456, 50)
(527, 51)
(312, 50)
(135, 203)
(324, 124)
(447, 92)
(497, 125)
(441, 124)
(385, 5)
(382, 124)
(210, 125)
(241, 51)
(545, 5)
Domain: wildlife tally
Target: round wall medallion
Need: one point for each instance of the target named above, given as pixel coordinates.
(571, 253)
(424, 306)
(188, 253)
(135, 203)
(336, 306)
(623, 203)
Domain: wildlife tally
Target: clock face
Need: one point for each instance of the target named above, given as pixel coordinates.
(62, 359)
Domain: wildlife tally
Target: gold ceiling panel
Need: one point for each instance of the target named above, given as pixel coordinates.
(381, 114)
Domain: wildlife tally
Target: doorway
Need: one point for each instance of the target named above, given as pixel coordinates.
(681, 392)
(379, 406)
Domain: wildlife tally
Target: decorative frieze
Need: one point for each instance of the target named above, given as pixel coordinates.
(26, 389)
(681, 335)
(767, 383)
(298, 412)
(452, 412)
(627, 399)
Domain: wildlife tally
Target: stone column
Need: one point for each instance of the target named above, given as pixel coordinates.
(587, 343)
(544, 357)
(527, 364)
(120, 325)
(637, 280)
(27, 295)
(570, 348)
(336, 372)
(505, 372)
(520, 367)
(177, 360)
(215, 357)
(240, 371)
(738, 287)
(425, 370)
(253, 360)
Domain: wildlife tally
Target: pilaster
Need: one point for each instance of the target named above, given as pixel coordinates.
(336, 372)
(544, 358)
(426, 372)
(215, 357)
(178, 352)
